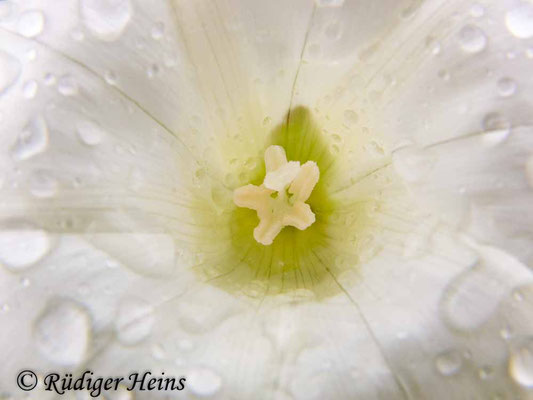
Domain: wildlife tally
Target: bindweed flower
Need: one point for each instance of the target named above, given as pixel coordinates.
(326, 199)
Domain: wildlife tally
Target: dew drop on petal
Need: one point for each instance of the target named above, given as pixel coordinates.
(506, 87)
(9, 70)
(495, 137)
(31, 23)
(134, 321)
(110, 78)
(62, 333)
(67, 86)
(89, 133)
(485, 373)
(203, 382)
(152, 71)
(43, 184)
(412, 164)
(29, 90)
(350, 117)
(106, 19)
(472, 39)
(519, 21)
(23, 246)
(449, 362)
(32, 140)
(50, 79)
(521, 363)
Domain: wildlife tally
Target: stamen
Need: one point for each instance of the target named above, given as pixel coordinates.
(280, 200)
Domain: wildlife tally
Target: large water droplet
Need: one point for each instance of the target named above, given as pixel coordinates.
(521, 363)
(497, 129)
(9, 70)
(134, 321)
(106, 19)
(506, 87)
(203, 382)
(449, 362)
(43, 184)
(519, 21)
(22, 246)
(472, 39)
(89, 132)
(32, 140)
(62, 333)
(31, 23)
(473, 296)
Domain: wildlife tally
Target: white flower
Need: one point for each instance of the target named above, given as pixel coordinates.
(127, 125)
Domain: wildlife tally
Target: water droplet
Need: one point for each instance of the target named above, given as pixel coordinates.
(106, 19)
(25, 282)
(517, 295)
(29, 90)
(31, 23)
(32, 140)
(521, 363)
(49, 79)
(22, 246)
(134, 321)
(267, 121)
(67, 86)
(31, 54)
(89, 133)
(494, 138)
(477, 10)
(449, 362)
(444, 75)
(506, 87)
(435, 50)
(472, 39)
(350, 117)
(9, 70)
(152, 71)
(203, 382)
(486, 372)
(158, 30)
(497, 129)
(43, 184)
(62, 333)
(519, 21)
(412, 164)
(110, 78)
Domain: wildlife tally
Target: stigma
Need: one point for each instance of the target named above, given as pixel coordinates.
(281, 200)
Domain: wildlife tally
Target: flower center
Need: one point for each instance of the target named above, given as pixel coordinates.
(281, 200)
